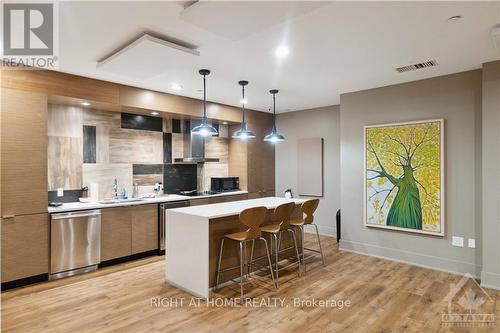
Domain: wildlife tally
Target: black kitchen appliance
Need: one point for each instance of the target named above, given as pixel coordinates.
(224, 184)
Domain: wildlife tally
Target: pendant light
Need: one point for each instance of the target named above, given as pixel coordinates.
(243, 132)
(205, 129)
(274, 136)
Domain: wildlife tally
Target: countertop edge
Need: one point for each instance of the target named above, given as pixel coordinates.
(89, 206)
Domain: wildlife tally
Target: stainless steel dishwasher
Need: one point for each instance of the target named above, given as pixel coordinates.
(162, 220)
(75, 243)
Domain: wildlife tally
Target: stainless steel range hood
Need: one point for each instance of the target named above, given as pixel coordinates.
(194, 146)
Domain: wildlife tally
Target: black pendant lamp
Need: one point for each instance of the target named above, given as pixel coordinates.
(274, 136)
(243, 132)
(205, 129)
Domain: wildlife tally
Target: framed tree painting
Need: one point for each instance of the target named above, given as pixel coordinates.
(404, 176)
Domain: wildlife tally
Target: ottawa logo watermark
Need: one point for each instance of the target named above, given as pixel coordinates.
(468, 305)
(30, 39)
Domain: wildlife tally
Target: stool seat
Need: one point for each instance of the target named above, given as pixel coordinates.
(273, 228)
(297, 222)
(240, 236)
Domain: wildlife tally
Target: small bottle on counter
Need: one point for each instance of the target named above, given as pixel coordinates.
(124, 193)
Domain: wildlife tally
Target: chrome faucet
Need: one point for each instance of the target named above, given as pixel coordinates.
(115, 187)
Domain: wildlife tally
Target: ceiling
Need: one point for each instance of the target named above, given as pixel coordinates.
(335, 47)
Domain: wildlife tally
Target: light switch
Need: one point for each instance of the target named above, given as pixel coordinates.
(472, 243)
(457, 241)
(60, 192)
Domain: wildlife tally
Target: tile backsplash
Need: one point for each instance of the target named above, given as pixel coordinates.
(92, 146)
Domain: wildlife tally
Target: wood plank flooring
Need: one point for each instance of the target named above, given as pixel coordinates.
(386, 297)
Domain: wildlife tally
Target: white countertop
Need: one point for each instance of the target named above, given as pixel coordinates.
(212, 211)
(75, 206)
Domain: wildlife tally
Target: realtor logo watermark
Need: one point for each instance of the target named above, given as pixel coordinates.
(468, 305)
(29, 35)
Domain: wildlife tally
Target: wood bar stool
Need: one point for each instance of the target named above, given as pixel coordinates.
(282, 215)
(308, 208)
(252, 218)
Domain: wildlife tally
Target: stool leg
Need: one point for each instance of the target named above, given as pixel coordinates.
(218, 265)
(296, 249)
(276, 268)
(241, 269)
(245, 261)
(269, 260)
(319, 242)
(303, 252)
(251, 257)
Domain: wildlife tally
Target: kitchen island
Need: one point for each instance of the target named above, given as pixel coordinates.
(193, 241)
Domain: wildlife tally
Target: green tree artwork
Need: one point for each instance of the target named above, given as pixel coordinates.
(403, 176)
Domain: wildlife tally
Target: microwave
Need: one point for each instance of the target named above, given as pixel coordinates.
(224, 184)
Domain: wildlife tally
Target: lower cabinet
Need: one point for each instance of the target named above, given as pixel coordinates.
(128, 230)
(25, 246)
(116, 233)
(200, 201)
(261, 194)
(144, 228)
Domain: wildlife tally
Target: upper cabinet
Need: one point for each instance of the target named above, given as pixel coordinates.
(24, 153)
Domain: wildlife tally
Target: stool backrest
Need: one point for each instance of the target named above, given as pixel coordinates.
(308, 208)
(253, 218)
(282, 215)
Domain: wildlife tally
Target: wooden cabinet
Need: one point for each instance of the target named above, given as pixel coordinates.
(116, 233)
(200, 201)
(128, 230)
(228, 198)
(23, 153)
(144, 228)
(253, 160)
(25, 246)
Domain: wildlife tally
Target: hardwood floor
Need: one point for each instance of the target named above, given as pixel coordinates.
(385, 296)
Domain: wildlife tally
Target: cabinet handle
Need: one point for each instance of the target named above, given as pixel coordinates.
(6, 217)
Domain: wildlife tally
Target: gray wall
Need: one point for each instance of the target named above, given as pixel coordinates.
(321, 122)
(457, 99)
(490, 275)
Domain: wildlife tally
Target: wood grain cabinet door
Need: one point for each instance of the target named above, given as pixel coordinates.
(199, 202)
(144, 228)
(24, 152)
(116, 233)
(25, 246)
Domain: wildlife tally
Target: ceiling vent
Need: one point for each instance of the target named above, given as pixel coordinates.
(422, 65)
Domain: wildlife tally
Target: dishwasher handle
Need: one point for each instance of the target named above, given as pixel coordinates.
(88, 213)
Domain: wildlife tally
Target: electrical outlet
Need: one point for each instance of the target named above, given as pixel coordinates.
(472, 243)
(457, 241)
(60, 192)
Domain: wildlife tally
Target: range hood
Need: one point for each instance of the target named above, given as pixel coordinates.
(194, 146)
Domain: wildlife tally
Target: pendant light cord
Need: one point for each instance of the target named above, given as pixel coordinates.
(204, 96)
(243, 102)
(274, 111)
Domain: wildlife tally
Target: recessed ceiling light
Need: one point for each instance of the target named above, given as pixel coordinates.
(281, 51)
(224, 122)
(154, 113)
(176, 86)
(454, 18)
(85, 103)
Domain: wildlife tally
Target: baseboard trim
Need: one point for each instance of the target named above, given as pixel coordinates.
(421, 260)
(490, 280)
(128, 258)
(24, 282)
(323, 230)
